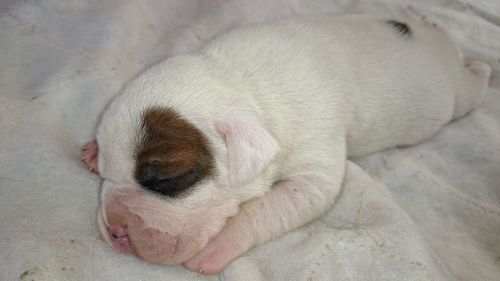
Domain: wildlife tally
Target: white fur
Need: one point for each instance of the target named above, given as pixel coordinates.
(283, 105)
(249, 146)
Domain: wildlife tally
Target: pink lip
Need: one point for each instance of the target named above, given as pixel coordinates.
(120, 239)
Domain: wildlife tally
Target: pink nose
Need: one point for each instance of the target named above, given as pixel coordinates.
(119, 236)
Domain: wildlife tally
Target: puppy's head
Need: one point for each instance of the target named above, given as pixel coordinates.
(173, 176)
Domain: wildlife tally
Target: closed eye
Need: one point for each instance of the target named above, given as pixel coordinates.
(172, 186)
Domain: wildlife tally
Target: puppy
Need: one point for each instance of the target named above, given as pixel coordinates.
(206, 155)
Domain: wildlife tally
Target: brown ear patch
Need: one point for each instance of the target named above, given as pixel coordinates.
(172, 155)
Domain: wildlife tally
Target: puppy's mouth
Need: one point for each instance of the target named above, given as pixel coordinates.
(155, 232)
(149, 244)
(120, 239)
(115, 236)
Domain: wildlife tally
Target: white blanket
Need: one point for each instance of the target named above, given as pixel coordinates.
(427, 212)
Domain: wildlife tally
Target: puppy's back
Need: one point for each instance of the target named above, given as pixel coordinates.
(384, 82)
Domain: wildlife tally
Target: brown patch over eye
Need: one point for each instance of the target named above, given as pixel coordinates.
(173, 155)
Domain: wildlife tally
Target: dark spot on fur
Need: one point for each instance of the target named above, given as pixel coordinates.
(401, 28)
(173, 154)
(24, 274)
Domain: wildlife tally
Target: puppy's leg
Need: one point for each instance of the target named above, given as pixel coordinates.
(89, 155)
(293, 202)
(472, 87)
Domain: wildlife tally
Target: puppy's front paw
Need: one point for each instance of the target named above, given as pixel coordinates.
(219, 252)
(89, 155)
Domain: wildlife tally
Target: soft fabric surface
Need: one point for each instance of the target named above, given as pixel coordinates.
(428, 212)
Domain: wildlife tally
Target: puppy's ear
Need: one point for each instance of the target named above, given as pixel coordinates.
(250, 147)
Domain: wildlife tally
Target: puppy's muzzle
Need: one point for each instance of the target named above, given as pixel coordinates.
(120, 239)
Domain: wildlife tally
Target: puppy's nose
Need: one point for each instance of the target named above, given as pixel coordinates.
(120, 238)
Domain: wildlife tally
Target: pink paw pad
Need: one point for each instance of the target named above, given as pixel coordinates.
(89, 155)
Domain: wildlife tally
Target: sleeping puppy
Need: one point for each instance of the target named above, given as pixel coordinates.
(206, 155)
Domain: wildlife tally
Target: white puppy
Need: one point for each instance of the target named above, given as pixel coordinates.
(207, 155)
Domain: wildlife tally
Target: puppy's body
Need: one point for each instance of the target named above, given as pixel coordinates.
(282, 105)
